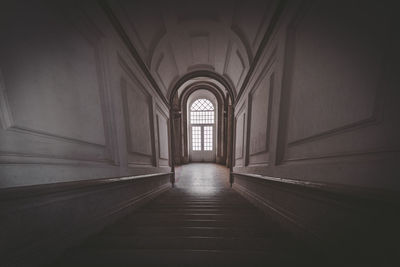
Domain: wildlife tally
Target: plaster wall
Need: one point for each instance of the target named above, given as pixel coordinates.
(74, 103)
(317, 126)
(321, 104)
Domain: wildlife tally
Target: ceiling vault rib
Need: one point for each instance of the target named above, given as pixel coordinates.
(268, 33)
(125, 38)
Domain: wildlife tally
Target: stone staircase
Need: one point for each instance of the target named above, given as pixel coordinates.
(181, 228)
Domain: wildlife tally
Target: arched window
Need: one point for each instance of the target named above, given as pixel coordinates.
(202, 112)
(202, 119)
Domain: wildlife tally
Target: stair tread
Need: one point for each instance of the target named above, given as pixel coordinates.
(190, 231)
(145, 257)
(182, 227)
(193, 242)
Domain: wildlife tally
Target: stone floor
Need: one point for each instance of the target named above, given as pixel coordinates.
(200, 222)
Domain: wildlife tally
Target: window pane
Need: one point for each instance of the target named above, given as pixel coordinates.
(196, 138)
(208, 138)
(202, 112)
(202, 117)
(202, 104)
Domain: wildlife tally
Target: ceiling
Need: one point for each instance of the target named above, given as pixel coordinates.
(180, 37)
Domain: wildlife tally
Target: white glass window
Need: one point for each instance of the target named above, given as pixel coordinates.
(208, 138)
(196, 138)
(202, 117)
(202, 112)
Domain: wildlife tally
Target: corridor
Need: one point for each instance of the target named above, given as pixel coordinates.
(199, 132)
(200, 222)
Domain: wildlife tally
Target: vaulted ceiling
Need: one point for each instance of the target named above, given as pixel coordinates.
(174, 38)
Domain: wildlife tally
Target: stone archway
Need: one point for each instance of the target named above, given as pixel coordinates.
(180, 122)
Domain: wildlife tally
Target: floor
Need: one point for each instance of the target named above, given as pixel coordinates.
(200, 222)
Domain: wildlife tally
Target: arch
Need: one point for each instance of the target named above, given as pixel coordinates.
(180, 62)
(221, 125)
(205, 85)
(202, 73)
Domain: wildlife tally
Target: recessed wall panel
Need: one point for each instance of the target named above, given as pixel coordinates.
(260, 114)
(53, 86)
(335, 67)
(163, 138)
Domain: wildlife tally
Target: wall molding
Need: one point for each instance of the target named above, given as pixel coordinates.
(125, 38)
(149, 157)
(267, 14)
(163, 160)
(366, 193)
(284, 145)
(44, 200)
(94, 37)
(167, 53)
(374, 118)
(120, 30)
(239, 55)
(242, 153)
(6, 118)
(264, 149)
(160, 59)
(326, 216)
(330, 156)
(241, 113)
(233, 49)
(268, 67)
(242, 37)
(209, 63)
(51, 188)
(280, 8)
(48, 135)
(132, 29)
(95, 225)
(282, 216)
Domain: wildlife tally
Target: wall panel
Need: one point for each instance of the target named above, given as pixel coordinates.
(260, 108)
(163, 137)
(240, 136)
(235, 65)
(333, 103)
(138, 114)
(53, 88)
(63, 114)
(336, 80)
(332, 172)
(165, 67)
(74, 115)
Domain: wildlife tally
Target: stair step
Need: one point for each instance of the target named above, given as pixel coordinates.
(236, 209)
(184, 227)
(198, 210)
(192, 216)
(194, 243)
(153, 257)
(201, 204)
(191, 231)
(188, 223)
